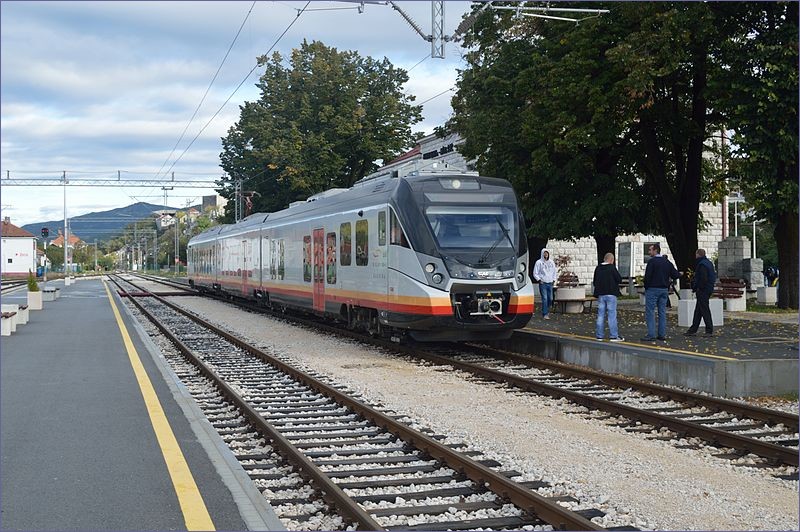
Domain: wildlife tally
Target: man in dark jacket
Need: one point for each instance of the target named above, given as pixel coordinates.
(703, 286)
(606, 289)
(657, 277)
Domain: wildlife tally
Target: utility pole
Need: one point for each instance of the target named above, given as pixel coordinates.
(95, 254)
(177, 255)
(66, 231)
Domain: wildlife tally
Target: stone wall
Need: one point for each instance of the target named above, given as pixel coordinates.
(584, 250)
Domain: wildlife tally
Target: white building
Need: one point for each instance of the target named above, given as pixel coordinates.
(18, 250)
(583, 251)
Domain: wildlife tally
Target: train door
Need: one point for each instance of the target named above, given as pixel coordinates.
(243, 266)
(319, 270)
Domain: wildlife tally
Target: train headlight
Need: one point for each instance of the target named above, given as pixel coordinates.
(430, 267)
(522, 267)
(437, 278)
(520, 279)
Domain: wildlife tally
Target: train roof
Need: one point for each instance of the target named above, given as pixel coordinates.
(364, 193)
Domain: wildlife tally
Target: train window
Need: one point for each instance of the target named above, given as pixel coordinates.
(307, 259)
(382, 228)
(330, 249)
(281, 255)
(362, 242)
(273, 259)
(346, 232)
(398, 237)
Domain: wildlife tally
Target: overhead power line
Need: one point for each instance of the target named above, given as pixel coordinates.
(239, 86)
(203, 99)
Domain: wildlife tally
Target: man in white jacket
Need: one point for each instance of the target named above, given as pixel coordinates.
(544, 272)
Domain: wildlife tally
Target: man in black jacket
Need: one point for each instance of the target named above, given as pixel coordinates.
(606, 289)
(703, 286)
(657, 278)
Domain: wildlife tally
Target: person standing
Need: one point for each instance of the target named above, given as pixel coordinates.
(606, 289)
(657, 278)
(544, 272)
(703, 286)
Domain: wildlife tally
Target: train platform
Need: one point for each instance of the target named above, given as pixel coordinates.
(752, 354)
(97, 433)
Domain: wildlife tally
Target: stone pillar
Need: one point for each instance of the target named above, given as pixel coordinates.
(753, 273)
(731, 253)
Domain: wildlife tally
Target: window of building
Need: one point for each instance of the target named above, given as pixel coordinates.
(362, 243)
(346, 233)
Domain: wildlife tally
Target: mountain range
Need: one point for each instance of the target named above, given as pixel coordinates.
(102, 225)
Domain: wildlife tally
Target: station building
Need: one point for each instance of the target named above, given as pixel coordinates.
(18, 251)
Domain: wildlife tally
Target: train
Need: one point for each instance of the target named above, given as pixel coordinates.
(430, 255)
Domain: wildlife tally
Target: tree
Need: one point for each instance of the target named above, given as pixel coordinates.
(758, 93)
(322, 122)
(596, 124)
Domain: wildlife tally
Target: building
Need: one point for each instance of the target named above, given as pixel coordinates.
(214, 205)
(630, 250)
(18, 250)
(165, 220)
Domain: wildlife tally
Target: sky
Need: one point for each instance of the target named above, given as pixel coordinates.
(93, 88)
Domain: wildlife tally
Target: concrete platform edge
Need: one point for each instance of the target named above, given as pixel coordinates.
(256, 512)
(724, 378)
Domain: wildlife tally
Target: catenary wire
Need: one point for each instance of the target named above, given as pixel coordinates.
(236, 89)
(203, 99)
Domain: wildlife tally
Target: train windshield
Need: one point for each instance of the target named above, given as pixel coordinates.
(474, 228)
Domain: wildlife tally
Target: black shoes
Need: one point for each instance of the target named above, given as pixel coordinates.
(648, 339)
(690, 333)
(662, 338)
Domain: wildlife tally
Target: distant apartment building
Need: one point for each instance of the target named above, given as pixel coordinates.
(18, 250)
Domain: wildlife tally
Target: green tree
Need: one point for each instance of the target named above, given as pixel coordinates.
(600, 124)
(758, 93)
(321, 122)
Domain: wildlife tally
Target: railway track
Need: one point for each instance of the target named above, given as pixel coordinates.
(314, 448)
(746, 434)
(10, 286)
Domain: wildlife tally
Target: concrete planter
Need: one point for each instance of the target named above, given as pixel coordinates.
(67, 281)
(58, 293)
(569, 295)
(767, 295)
(686, 293)
(686, 312)
(35, 300)
(48, 294)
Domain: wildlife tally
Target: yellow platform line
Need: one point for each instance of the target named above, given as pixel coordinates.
(195, 513)
(649, 346)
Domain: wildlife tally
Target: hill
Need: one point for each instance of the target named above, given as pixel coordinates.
(102, 225)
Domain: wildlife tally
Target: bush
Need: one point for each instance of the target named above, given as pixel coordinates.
(33, 286)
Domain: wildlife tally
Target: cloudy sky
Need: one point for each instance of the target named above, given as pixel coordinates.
(92, 88)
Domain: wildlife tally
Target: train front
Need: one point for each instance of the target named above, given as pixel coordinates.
(469, 236)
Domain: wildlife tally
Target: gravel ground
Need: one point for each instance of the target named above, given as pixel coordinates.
(660, 486)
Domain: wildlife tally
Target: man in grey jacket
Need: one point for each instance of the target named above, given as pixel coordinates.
(544, 272)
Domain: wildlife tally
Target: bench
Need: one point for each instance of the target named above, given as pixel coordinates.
(9, 324)
(21, 310)
(732, 291)
(49, 294)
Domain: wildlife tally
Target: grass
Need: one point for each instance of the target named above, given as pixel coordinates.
(752, 306)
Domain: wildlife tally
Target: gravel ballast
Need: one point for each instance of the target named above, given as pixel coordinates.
(659, 485)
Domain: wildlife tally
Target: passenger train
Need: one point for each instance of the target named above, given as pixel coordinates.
(434, 255)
